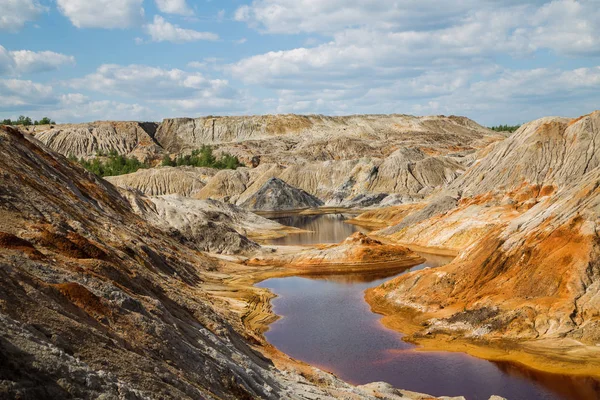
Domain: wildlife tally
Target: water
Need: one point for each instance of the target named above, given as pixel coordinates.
(327, 323)
(328, 228)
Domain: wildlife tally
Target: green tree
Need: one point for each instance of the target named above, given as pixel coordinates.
(46, 121)
(112, 164)
(204, 157)
(23, 120)
(167, 162)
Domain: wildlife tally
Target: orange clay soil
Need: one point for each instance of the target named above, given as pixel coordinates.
(559, 356)
(358, 253)
(443, 308)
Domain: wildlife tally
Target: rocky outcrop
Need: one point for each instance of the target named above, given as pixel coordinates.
(525, 220)
(207, 225)
(276, 195)
(351, 134)
(185, 181)
(134, 139)
(358, 254)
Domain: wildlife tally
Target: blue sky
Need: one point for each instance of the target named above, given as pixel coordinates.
(491, 60)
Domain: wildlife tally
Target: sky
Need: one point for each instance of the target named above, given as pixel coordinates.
(495, 61)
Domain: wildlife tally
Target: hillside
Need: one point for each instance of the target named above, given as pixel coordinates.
(524, 220)
(343, 161)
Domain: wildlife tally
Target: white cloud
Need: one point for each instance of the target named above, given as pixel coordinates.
(78, 107)
(14, 14)
(26, 61)
(179, 7)
(162, 31)
(175, 89)
(565, 26)
(568, 26)
(18, 94)
(295, 16)
(408, 56)
(108, 14)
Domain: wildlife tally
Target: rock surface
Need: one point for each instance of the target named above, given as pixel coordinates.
(336, 159)
(134, 139)
(185, 181)
(524, 219)
(276, 195)
(357, 253)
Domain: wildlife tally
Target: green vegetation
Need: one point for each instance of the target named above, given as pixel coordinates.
(111, 164)
(26, 121)
(204, 157)
(505, 128)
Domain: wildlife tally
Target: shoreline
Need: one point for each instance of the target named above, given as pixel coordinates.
(543, 355)
(546, 356)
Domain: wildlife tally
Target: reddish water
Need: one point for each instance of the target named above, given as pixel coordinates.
(327, 323)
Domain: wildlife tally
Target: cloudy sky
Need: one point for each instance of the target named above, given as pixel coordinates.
(496, 61)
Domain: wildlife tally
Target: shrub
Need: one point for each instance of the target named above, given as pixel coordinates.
(112, 165)
(204, 157)
(167, 162)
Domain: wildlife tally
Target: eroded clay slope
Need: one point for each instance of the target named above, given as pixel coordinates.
(87, 140)
(354, 161)
(525, 220)
(276, 195)
(185, 181)
(436, 132)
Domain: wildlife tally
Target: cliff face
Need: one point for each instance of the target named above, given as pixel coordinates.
(87, 140)
(347, 132)
(185, 181)
(524, 219)
(339, 160)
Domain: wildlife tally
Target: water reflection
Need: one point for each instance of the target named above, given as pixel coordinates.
(567, 387)
(327, 323)
(328, 228)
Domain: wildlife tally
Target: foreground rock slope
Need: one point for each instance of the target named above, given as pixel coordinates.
(96, 302)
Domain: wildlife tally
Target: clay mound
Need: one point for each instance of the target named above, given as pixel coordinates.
(357, 253)
(207, 225)
(276, 195)
(550, 151)
(185, 181)
(87, 140)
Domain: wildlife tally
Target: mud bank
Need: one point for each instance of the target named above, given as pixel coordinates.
(556, 356)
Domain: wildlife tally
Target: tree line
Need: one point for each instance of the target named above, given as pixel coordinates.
(203, 157)
(505, 128)
(113, 164)
(26, 121)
